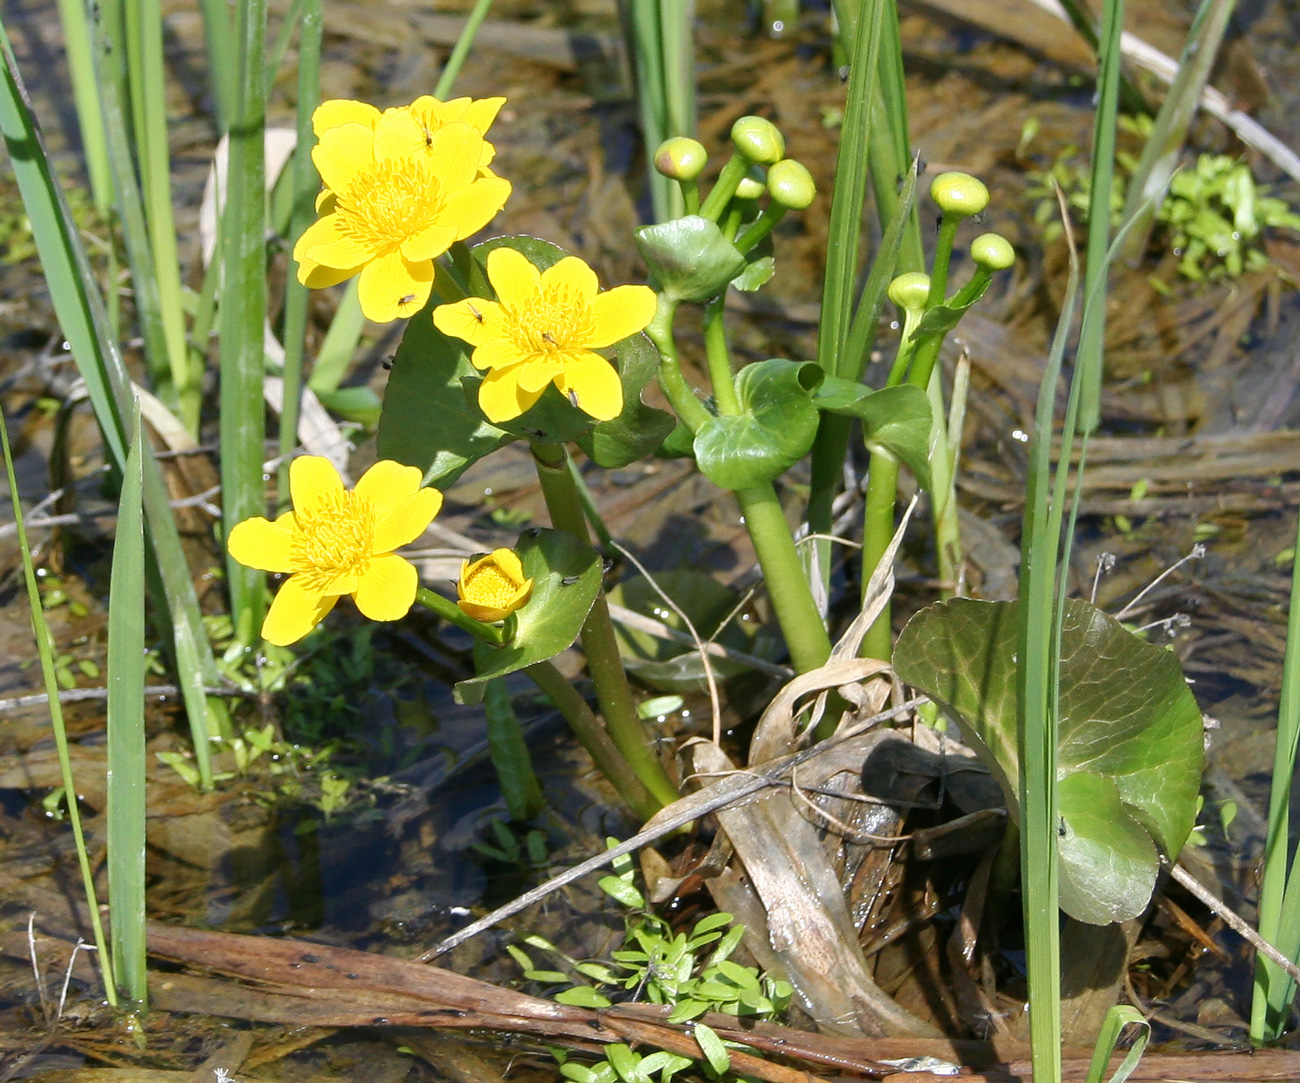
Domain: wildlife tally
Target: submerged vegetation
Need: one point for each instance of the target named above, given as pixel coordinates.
(827, 785)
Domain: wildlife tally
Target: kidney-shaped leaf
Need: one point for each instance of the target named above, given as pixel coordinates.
(566, 577)
(773, 431)
(639, 429)
(689, 257)
(894, 418)
(1129, 739)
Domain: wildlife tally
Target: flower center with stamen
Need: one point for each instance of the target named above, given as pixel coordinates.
(335, 537)
(391, 201)
(488, 585)
(554, 322)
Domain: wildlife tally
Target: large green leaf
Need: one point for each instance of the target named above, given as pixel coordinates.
(1129, 738)
(774, 429)
(689, 257)
(894, 418)
(566, 577)
(639, 429)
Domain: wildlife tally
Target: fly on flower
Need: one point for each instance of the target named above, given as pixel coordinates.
(544, 328)
(338, 542)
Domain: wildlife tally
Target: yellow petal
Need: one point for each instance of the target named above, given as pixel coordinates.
(313, 478)
(326, 201)
(392, 287)
(595, 383)
(513, 277)
(295, 612)
(324, 243)
(316, 277)
(342, 153)
(501, 398)
(573, 274)
(498, 352)
(387, 589)
(259, 543)
(338, 111)
(474, 319)
(398, 135)
(620, 312)
(467, 210)
(429, 243)
(454, 151)
(508, 560)
(386, 484)
(482, 113)
(405, 521)
(534, 375)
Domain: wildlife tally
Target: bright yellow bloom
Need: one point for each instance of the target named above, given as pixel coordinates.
(389, 210)
(542, 329)
(493, 587)
(429, 113)
(337, 542)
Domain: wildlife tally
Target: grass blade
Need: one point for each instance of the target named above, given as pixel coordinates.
(126, 739)
(85, 95)
(461, 49)
(223, 59)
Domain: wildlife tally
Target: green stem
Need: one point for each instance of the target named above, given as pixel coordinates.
(719, 358)
(728, 181)
(492, 634)
(680, 394)
(587, 728)
(943, 496)
(590, 510)
(507, 747)
(461, 49)
(690, 196)
(760, 227)
(877, 530)
(787, 585)
(598, 642)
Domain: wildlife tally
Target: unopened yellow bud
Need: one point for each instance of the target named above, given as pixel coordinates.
(681, 158)
(493, 587)
(959, 195)
(992, 251)
(909, 291)
(752, 184)
(791, 184)
(757, 140)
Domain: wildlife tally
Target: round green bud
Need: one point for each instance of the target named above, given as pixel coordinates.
(959, 194)
(681, 158)
(992, 251)
(752, 184)
(791, 184)
(909, 291)
(757, 140)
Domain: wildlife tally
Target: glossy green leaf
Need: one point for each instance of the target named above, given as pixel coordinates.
(639, 429)
(714, 1051)
(894, 418)
(1130, 743)
(943, 318)
(582, 996)
(773, 431)
(689, 257)
(760, 266)
(566, 577)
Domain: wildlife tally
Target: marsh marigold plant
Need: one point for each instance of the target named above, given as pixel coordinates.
(544, 328)
(336, 542)
(398, 193)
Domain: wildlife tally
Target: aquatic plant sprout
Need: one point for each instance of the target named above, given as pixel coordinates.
(492, 587)
(544, 329)
(397, 196)
(338, 542)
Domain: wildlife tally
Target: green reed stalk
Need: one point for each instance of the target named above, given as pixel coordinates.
(461, 49)
(305, 184)
(44, 643)
(84, 322)
(275, 54)
(598, 641)
(85, 96)
(127, 758)
(243, 313)
(340, 343)
(223, 59)
(508, 749)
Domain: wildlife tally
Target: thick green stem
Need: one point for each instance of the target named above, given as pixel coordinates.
(587, 728)
(877, 531)
(787, 586)
(680, 393)
(760, 227)
(449, 611)
(728, 181)
(943, 496)
(719, 358)
(598, 641)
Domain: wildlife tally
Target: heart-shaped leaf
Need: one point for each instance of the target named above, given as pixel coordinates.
(1129, 739)
(639, 429)
(895, 418)
(566, 577)
(774, 429)
(689, 257)
(760, 266)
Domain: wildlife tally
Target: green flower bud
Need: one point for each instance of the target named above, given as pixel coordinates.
(909, 291)
(959, 195)
(992, 252)
(681, 158)
(791, 184)
(757, 140)
(752, 184)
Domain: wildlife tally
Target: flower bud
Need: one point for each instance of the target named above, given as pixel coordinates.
(681, 158)
(752, 184)
(959, 195)
(992, 252)
(909, 291)
(493, 587)
(757, 140)
(791, 184)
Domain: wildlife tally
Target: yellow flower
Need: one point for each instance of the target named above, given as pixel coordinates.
(429, 113)
(543, 329)
(389, 211)
(337, 542)
(493, 587)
